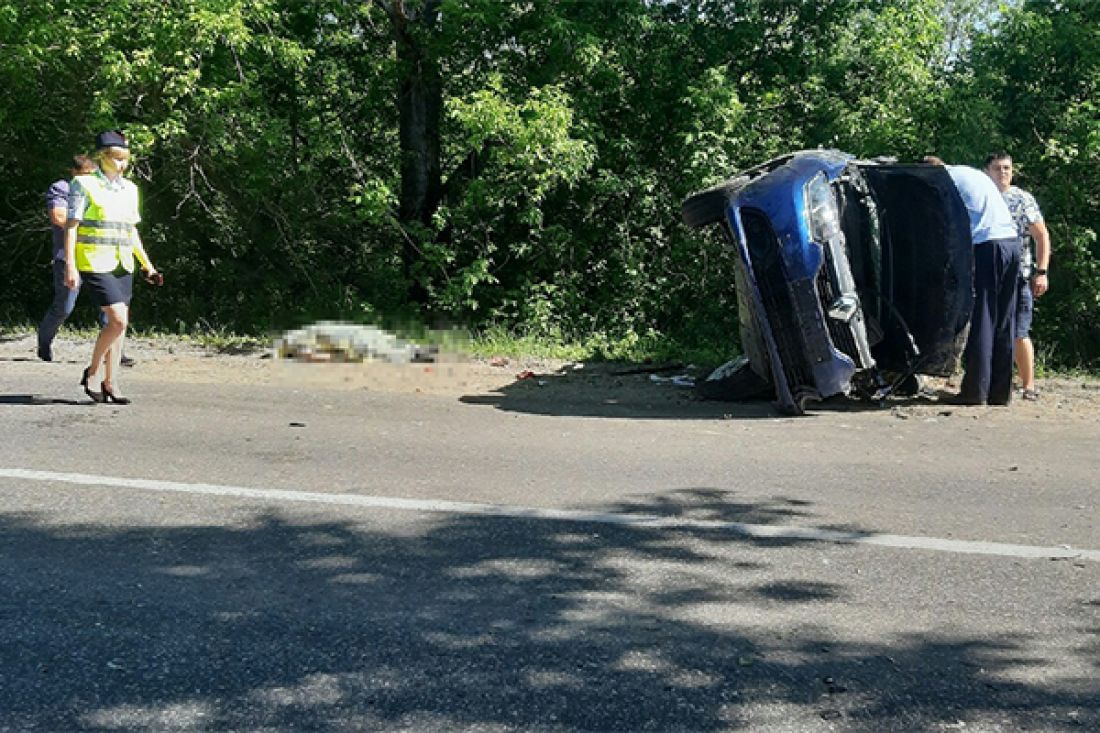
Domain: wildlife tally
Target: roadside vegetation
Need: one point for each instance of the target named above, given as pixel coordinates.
(514, 170)
(490, 343)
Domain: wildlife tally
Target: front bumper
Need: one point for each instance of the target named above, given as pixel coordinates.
(811, 354)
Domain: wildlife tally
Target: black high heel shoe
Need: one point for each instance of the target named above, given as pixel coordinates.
(109, 396)
(96, 396)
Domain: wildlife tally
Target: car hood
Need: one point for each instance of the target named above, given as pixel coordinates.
(926, 294)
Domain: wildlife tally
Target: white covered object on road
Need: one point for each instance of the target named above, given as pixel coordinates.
(340, 341)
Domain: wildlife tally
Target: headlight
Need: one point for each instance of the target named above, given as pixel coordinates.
(821, 213)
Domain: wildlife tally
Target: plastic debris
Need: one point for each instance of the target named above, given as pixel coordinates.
(680, 380)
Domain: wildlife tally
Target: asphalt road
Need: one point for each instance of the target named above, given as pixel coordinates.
(260, 557)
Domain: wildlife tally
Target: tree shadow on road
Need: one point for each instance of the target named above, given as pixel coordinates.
(294, 621)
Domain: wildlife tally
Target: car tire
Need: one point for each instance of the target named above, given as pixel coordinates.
(800, 399)
(709, 206)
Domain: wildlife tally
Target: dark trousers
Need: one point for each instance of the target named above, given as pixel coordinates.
(64, 301)
(988, 354)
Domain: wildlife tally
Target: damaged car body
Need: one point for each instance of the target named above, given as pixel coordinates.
(852, 275)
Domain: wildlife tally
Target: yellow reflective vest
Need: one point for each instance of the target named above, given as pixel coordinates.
(106, 233)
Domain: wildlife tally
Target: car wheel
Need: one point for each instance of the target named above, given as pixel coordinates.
(800, 398)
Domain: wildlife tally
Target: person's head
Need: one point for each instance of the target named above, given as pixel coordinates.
(112, 152)
(998, 166)
(932, 160)
(81, 165)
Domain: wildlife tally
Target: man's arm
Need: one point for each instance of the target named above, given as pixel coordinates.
(57, 202)
(59, 215)
(1041, 237)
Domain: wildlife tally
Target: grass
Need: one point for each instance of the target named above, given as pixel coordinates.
(650, 348)
(216, 340)
(496, 341)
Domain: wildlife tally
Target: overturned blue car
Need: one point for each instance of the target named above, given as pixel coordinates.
(852, 276)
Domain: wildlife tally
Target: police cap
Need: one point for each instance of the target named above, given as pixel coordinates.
(111, 139)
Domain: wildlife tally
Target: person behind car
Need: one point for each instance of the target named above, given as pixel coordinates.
(64, 299)
(987, 358)
(1033, 281)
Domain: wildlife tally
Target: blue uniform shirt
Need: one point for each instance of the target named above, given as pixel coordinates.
(57, 197)
(988, 212)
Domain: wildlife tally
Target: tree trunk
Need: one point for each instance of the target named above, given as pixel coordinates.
(419, 106)
(419, 102)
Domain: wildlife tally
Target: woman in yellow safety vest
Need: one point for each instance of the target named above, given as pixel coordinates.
(101, 242)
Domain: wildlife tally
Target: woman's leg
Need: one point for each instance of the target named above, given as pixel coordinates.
(109, 345)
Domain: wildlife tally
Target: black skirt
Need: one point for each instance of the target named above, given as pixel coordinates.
(108, 288)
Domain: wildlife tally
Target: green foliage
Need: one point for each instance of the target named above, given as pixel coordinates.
(266, 144)
(1034, 81)
(651, 347)
(496, 223)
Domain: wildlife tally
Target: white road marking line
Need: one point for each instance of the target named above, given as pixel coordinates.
(757, 531)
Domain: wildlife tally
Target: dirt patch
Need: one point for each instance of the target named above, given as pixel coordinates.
(552, 387)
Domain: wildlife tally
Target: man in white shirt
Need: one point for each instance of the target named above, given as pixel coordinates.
(988, 355)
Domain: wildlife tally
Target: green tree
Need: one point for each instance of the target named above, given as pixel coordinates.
(1036, 79)
(520, 163)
